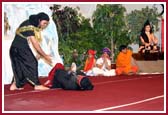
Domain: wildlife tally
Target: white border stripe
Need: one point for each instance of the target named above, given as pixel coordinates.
(129, 104)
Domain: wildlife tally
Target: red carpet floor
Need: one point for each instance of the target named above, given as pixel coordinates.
(119, 93)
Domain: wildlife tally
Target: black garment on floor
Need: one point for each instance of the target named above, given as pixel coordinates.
(68, 81)
(62, 79)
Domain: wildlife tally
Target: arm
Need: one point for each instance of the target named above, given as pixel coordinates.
(105, 62)
(94, 63)
(154, 39)
(36, 45)
(143, 42)
(38, 56)
(99, 65)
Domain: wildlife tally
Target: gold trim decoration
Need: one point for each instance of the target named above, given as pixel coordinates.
(37, 32)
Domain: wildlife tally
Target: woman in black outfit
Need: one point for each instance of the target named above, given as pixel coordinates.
(24, 63)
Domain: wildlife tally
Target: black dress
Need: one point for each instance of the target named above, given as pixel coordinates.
(24, 63)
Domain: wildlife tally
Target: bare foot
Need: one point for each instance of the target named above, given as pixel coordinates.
(13, 87)
(73, 67)
(41, 87)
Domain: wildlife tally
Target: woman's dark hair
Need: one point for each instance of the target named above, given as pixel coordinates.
(146, 24)
(34, 19)
(143, 34)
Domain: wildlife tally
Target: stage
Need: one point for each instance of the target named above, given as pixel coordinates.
(110, 94)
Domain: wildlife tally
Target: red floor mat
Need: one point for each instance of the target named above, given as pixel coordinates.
(108, 92)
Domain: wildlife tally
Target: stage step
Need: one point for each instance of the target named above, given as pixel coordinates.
(151, 66)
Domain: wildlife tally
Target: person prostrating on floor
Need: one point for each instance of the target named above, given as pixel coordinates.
(68, 80)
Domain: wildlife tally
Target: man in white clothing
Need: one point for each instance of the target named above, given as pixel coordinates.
(103, 65)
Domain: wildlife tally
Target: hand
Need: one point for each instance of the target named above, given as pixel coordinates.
(105, 61)
(147, 44)
(147, 47)
(154, 47)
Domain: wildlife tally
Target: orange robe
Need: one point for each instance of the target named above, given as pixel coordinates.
(89, 64)
(123, 63)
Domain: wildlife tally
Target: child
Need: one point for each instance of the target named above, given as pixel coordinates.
(90, 63)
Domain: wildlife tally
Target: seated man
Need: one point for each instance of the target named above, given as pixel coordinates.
(148, 39)
(103, 65)
(123, 62)
(60, 78)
